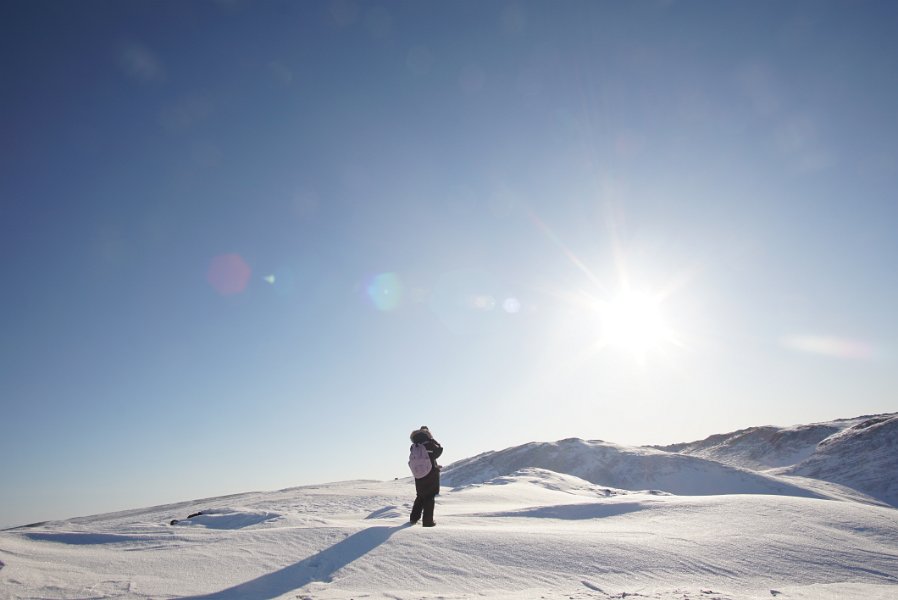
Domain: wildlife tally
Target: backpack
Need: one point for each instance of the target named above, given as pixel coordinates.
(419, 461)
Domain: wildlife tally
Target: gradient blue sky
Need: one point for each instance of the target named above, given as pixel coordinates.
(252, 245)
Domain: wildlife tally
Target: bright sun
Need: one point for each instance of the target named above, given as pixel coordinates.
(633, 322)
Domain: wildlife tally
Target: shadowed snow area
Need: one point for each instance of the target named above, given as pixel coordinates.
(387, 512)
(759, 447)
(622, 467)
(572, 519)
(595, 510)
(863, 457)
(860, 454)
(82, 539)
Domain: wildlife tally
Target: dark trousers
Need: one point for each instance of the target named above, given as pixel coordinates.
(427, 488)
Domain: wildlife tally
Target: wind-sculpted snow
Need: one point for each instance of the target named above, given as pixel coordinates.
(863, 457)
(82, 538)
(860, 453)
(552, 480)
(593, 510)
(569, 519)
(759, 447)
(530, 534)
(621, 467)
(228, 519)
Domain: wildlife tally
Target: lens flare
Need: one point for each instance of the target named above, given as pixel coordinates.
(385, 291)
(512, 306)
(831, 346)
(464, 300)
(483, 302)
(228, 274)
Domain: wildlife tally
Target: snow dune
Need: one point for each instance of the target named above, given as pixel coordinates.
(863, 457)
(624, 467)
(571, 519)
(760, 447)
(860, 453)
(531, 534)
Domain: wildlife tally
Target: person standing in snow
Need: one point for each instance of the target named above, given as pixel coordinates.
(428, 486)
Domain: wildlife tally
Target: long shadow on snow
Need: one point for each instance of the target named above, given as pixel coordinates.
(319, 567)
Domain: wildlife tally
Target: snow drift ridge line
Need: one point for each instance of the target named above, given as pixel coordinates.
(622, 467)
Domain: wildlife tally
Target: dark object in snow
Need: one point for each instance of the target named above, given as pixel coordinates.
(428, 486)
(190, 516)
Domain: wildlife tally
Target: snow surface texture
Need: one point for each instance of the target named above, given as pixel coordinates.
(861, 453)
(729, 533)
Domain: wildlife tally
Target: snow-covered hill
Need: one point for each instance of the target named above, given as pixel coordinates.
(860, 453)
(760, 447)
(569, 519)
(863, 457)
(531, 534)
(628, 468)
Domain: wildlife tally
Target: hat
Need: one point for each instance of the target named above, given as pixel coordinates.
(423, 429)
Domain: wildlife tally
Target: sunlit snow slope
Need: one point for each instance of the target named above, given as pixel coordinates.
(571, 519)
(530, 534)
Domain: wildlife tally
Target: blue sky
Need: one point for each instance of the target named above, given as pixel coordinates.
(252, 245)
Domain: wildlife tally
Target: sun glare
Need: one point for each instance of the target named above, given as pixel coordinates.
(629, 320)
(633, 322)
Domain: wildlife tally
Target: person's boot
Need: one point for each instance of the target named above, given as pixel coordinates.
(431, 524)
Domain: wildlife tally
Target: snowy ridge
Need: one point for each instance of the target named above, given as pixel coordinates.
(863, 457)
(556, 481)
(767, 446)
(622, 467)
(759, 447)
(859, 453)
